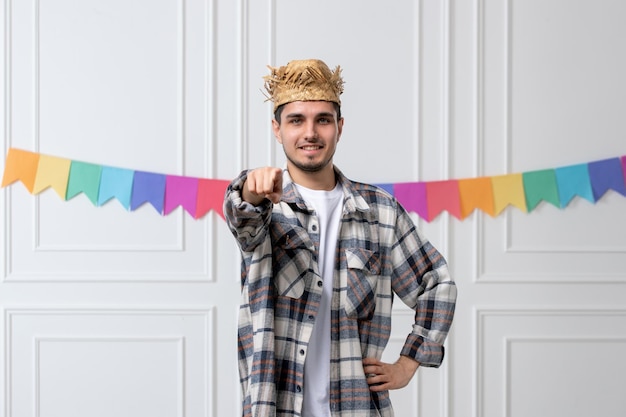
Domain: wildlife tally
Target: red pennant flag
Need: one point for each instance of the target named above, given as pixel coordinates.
(211, 196)
(443, 195)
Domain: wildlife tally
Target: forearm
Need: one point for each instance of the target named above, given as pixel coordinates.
(422, 280)
(434, 312)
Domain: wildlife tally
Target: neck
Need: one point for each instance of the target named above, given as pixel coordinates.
(319, 180)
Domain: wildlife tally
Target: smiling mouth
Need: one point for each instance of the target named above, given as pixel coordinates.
(311, 148)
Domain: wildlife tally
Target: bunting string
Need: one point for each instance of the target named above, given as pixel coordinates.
(428, 199)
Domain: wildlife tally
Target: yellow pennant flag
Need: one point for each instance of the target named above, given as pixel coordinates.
(52, 172)
(508, 189)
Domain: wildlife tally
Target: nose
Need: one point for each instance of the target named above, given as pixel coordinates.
(310, 130)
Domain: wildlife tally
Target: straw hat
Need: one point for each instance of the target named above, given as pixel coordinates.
(303, 80)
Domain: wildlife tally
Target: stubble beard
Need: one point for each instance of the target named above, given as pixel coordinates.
(310, 167)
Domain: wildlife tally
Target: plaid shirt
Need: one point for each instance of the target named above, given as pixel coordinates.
(379, 253)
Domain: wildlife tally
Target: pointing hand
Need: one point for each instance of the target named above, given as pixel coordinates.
(263, 183)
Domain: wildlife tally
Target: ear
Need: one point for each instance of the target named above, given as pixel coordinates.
(276, 130)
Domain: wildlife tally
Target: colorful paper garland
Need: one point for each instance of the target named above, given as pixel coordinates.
(428, 199)
(100, 184)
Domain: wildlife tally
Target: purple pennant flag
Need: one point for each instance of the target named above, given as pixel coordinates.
(148, 188)
(606, 175)
(412, 195)
(387, 187)
(181, 191)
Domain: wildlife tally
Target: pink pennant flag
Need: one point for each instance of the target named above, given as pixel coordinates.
(181, 191)
(412, 196)
(211, 196)
(443, 196)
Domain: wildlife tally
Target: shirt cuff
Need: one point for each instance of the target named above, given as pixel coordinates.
(426, 352)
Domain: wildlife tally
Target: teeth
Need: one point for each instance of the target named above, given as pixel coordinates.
(310, 148)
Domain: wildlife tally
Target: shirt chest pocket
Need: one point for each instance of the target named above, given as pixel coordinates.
(363, 270)
(292, 262)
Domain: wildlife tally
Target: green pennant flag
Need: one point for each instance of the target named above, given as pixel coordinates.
(84, 178)
(540, 185)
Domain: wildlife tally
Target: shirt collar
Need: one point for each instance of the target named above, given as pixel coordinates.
(352, 199)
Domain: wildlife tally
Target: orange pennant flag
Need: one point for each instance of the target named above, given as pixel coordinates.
(52, 172)
(476, 193)
(20, 165)
(508, 189)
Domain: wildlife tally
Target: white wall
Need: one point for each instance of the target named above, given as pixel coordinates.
(108, 312)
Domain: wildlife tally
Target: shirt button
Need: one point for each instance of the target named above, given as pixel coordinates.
(314, 227)
(320, 283)
(298, 388)
(302, 352)
(311, 317)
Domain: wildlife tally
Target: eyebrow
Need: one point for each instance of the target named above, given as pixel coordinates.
(300, 115)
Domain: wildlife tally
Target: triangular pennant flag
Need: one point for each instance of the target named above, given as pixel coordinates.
(508, 190)
(52, 172)
(573, 181)
(443, 196)
(412, 196)
(540, 185)
(115, 183)
(606, 175)
(148, 187)
(387, 187)
(181, 191)
(476, 193)
(211, 196)
(84, 178)
(21, 165)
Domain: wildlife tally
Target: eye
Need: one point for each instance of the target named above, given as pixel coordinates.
(324, 120)
(295, 121)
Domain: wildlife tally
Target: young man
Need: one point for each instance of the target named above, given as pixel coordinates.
(323, 257)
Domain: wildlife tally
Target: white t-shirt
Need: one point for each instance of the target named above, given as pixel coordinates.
(328, 206)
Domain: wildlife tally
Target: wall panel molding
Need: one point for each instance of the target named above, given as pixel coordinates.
(529, 325)
(185, 333)
(40, 344)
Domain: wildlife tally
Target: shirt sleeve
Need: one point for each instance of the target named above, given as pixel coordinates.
(422, 280)
(250, 226)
